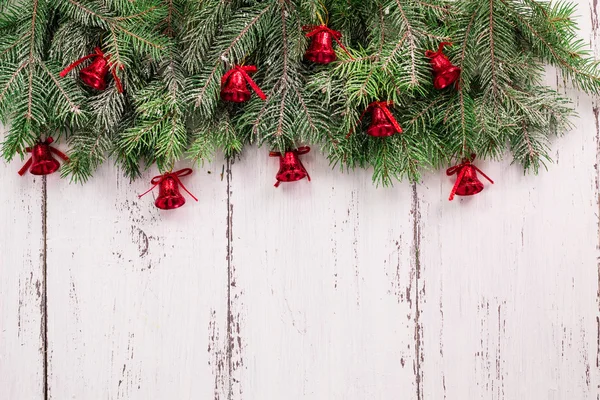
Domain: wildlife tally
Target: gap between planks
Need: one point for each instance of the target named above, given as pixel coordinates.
(44, 299)
(229, 341)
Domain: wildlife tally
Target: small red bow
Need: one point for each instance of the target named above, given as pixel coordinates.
(313, 30)
(440, 50)
(244, 70)
(175, 175)
(300, 150)
(461, 173)
(97, 53)
(384, 107)
(47, 142)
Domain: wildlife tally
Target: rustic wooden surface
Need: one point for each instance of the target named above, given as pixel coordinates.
(330, 290)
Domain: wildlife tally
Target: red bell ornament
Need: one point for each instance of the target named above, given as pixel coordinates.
(94, 75)
(444, 72)
(168, 184)
(383, 123)
(467, 182)
(320, 50)
(41, 161)
(234, 84)
(290, 166)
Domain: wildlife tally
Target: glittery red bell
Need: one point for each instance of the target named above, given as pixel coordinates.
(169, 196)
(321, 50)
(383, 123)
(467, 182)
(235, 89)
(290, 166)
(41, 161)
(444, 72)
(234, 84)
(380, 126)
(168, 184)
(470, 183)
(94, 75)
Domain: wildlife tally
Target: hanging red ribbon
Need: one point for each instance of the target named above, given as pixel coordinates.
(440, 50)
(244, 70)
(175, 175)
(47, 142)
(460, 169)
(300, 151)
(384, 107)
(97, 53)
(313, 30)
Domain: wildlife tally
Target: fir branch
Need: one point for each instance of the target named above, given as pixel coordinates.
(492, 55)
(73, 106)
(394, 51)
(115, 24)
(381, 31)
(11, 80)
(137, 15)
(30, 62)
(465, 149)
(588, 80)
(175, 52)
(11, 47)
(284, 74)
(200, 96)
(412, 44)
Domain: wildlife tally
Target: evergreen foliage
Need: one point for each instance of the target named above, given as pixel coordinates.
(171, 55)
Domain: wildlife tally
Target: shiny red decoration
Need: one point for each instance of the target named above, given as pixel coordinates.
(234, 84)
(445, 73)
(41, 161)
(168, 184)
(467, 183)
(320, 50)
(94, 75)
(383, 123)
(290, 166)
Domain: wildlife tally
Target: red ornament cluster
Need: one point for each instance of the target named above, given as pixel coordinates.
(467, 183)
(291, 169)
(290, 166)
(444, 72)
(94, 75)
(168, 184)
(41, 161)
(234, 84)
(234, 88)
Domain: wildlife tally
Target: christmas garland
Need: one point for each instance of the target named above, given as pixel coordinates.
(394, 85)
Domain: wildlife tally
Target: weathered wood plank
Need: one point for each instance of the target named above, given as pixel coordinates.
(512, 282)
(326, 289)
(21, 284)
(512, 277)
(138, 296)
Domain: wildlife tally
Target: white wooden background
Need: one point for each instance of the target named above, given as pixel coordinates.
(329, 290)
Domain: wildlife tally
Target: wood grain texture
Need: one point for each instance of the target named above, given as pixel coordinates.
(137, 296)
(332, 289)
(22, 259)
(326, 285)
